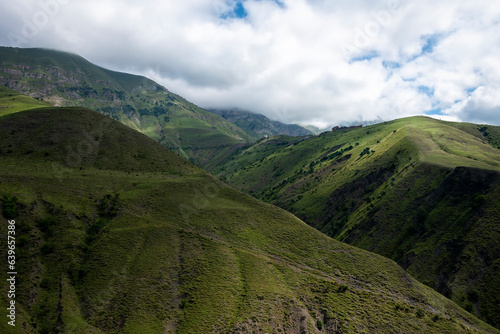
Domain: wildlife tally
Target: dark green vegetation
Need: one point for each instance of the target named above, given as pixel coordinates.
(64, 79)
(257, 125)
(115, 234)
(422, 192)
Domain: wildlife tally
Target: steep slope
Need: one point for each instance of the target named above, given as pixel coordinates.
(257, 125)
(11, 101)
(422, 192)
(69, 80)
(115, 234)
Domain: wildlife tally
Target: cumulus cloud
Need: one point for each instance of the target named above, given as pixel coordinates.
(315, 62)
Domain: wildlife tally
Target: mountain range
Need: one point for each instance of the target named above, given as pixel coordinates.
(64, 79)
(117, 231)
(134, 238)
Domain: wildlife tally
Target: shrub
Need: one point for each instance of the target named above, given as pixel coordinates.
(319, 324)
(47, 248)
(420, 313)
(46, 223)
(22, 241)
(342, 288)
(10, 206)
(479, 200)
(473, 296)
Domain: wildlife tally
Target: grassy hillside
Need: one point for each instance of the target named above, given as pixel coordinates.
(422, 192)
(257, 125)
(11, 101)
(64, 79)
(115, 234)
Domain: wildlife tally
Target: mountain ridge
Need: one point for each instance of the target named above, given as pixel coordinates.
(64, 79)
(258, 125)
(419, 191)
(137, 239)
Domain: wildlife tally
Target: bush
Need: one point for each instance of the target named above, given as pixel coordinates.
(319, 324)
(46, 223)
(420, 313)
(10, 206)
(473, 296)
(479, 201)
(469, 307)
(22, 241)
(342, 288)
(47, 248)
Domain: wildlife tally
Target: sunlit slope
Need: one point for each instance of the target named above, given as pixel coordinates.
(131, 238)
(11, 101)
(65, 79)
(423, 192)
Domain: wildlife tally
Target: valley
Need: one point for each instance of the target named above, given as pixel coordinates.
(390, 227)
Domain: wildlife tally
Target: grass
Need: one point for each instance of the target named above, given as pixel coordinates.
(406, 189)
(235, 264)
(12, 102)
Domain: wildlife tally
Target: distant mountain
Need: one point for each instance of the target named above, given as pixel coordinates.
(116, 234)
(64, 79)
(313, 129)
(422, 192)
(257, 125)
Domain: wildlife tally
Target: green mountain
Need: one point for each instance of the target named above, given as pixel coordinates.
(115, 234)
(422, 192)
(64, 79)
(257, 125)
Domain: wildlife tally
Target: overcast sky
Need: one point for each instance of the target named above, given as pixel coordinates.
(320, 62)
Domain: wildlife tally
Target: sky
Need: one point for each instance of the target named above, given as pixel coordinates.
(314, 62)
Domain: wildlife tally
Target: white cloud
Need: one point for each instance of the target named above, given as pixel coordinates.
(289, 62)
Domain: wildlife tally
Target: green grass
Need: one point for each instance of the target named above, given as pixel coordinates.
(233, 264)
(12, 102)
(419, 191)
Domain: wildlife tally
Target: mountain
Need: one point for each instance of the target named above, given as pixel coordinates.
(313, 129)
(257, 125)
(116, 234)
(422, 192)
(64, 79)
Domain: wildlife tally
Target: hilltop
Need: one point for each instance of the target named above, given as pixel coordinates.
(115, 234)
(422, 192)
(64, 79)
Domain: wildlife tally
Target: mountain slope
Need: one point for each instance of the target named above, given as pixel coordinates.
(11, 101)
(422, 192)
(257, 125)
(65, 79)
(115, 234)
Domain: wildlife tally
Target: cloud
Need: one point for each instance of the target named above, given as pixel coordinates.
(304, 61)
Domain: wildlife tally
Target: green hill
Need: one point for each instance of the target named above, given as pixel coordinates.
(422, 192)
(257, 125)
(11, 102)
(115, 234)
(64, 79)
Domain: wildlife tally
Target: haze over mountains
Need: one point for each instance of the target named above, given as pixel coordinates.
(120, 235)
